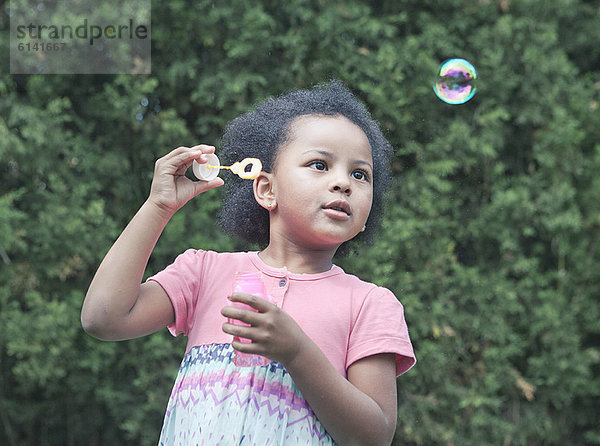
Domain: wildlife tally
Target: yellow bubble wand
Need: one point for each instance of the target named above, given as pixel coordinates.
(210, 170)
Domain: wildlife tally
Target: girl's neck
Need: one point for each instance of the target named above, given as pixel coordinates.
(305, 262)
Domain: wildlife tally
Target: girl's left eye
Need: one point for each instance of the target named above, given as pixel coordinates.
(360, 175)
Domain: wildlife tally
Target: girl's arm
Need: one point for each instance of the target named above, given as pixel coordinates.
(360, 410)
(117, 305)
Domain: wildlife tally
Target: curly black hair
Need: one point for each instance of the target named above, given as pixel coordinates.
(260, 134)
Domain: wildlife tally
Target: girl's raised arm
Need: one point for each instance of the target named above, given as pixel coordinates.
(117, 305)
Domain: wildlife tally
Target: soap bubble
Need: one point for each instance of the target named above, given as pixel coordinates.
(455, 81)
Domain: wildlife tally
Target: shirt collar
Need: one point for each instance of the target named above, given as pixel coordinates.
(284, 272)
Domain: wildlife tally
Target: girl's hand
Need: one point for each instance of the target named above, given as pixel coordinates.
(170, 188)
(273, 332)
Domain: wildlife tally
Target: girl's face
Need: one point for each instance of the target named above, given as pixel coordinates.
(322, 182)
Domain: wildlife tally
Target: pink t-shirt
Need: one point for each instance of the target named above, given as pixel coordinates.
(347, 318)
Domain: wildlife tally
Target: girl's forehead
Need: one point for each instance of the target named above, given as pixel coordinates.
(315, 128)
(322, 132)
(316, 119)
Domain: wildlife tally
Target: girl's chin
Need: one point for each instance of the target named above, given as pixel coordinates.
(324, 236)
(333, 239)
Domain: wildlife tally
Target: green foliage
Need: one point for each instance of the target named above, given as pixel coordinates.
(490, 238)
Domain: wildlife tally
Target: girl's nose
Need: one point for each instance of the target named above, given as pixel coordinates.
(341, 183)
(343, 190)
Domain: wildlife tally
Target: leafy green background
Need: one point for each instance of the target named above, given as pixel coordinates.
(490, 238)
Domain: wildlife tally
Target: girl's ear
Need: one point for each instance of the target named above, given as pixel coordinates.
(263, 190)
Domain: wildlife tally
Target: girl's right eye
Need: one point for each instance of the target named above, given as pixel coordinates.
(319, 165)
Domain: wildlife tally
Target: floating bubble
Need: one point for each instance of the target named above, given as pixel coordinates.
(455, 81)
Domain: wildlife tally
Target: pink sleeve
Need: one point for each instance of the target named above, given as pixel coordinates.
(379, 327)
(181, 282)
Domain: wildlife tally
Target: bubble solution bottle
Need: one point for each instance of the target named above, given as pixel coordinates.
(248, 283)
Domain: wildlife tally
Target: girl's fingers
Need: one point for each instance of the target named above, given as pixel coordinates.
(185, 156)
(173, 165)
(203, 148)
(242, 315)
(239, 331)
(203, 186)
(258, 303)
(245, 347)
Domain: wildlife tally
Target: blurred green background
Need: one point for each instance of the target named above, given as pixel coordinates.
(490, 239)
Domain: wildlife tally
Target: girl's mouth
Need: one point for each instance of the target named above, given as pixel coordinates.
(336, 213)
(338, 209)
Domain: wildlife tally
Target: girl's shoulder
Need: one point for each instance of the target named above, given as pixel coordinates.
(362, 290)
(356, 282)
(198, 262)
(201, 255)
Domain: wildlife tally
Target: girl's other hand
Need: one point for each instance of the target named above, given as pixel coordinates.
(171, 189)
(273, 332)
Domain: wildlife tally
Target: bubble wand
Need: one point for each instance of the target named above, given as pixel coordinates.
(210, 170)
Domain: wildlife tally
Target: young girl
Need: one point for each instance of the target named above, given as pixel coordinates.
(336, 343)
